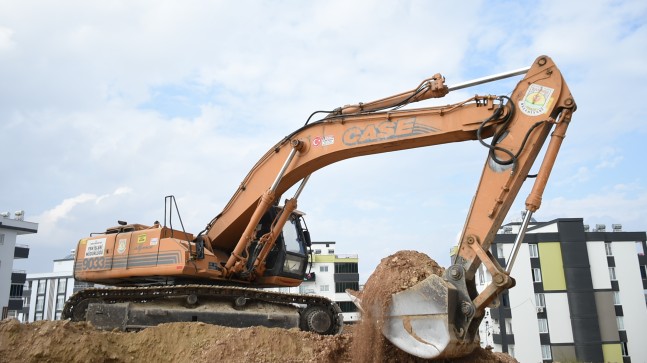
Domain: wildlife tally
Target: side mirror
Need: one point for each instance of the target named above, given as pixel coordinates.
(306, 236)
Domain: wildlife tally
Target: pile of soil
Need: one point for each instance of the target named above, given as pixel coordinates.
(64, 341)
(396, 273)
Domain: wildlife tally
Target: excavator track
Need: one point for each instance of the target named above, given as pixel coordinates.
(110, 308)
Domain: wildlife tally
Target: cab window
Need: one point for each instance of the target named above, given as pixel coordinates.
(292, 237)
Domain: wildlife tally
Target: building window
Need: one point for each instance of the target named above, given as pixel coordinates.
(40, 303)
(323, 268)
(342, 286)
(347, 307)
(543, 325)
(546, 353)
(540, 300)
(621, 322)
(508, 326)
(625, 352)
(331, 251)
(62, 285)
(41, 286)
(534, 252)
(38, 316)
(499, 250)
(1, 239)
(607, 248)
(612, 273)
(324, 288)
(505, 300)
(643, 271)
(481, 275)
(317, 252)
(536, 275)
(346, 268)
(15, 290)
(60, 302)
(616, 298)
(511, 350)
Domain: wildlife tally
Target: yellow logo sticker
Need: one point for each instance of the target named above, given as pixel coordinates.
(537, 100)
(141, 238)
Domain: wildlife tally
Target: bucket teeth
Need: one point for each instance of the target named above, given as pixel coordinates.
(354, 297)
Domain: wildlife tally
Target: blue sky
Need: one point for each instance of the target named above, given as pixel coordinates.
(105, 108)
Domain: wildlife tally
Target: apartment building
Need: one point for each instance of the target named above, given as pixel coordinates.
(580, 294)
(12, 281)
(45, 293)
(329, 275)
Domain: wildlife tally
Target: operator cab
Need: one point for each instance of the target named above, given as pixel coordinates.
(289, 256)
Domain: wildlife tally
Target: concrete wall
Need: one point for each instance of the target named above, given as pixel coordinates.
(607, 316)
(599, 266)
(632, 299)
(559, 318)
(6, 265)
(527, 347)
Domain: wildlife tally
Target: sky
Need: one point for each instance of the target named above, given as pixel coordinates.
(108, 107)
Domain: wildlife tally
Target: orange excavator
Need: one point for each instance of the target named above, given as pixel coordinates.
(163, 274)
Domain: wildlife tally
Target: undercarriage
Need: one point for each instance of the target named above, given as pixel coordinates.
(136, 308)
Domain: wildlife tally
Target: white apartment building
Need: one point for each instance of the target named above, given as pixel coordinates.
(12, 281)
(329, 276)
(580, 294)
(45, 293)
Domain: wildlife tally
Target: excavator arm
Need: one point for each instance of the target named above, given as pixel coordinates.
(513, 128)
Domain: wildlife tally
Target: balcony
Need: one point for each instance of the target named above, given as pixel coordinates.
(18, 276)
(15, 303)
(500, 339)
(347, 255)
(21, 251)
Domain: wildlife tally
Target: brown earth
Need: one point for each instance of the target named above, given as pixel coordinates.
(64, 341)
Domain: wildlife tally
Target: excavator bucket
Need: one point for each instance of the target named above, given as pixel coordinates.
(419, 320)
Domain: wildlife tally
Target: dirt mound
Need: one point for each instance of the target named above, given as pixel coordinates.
(396, 273)
(64, 341)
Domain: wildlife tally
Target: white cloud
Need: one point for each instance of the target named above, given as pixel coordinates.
(62, 210)
(6, 39)
(609, 158)
(614, 206)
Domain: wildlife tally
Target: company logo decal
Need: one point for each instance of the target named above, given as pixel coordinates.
(121, 247)
(537, 100)
(323, 141)
(385, 130)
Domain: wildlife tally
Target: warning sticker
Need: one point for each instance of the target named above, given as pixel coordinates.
(95, 248)
(537, 100)
(154, 241)
(141, 238)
